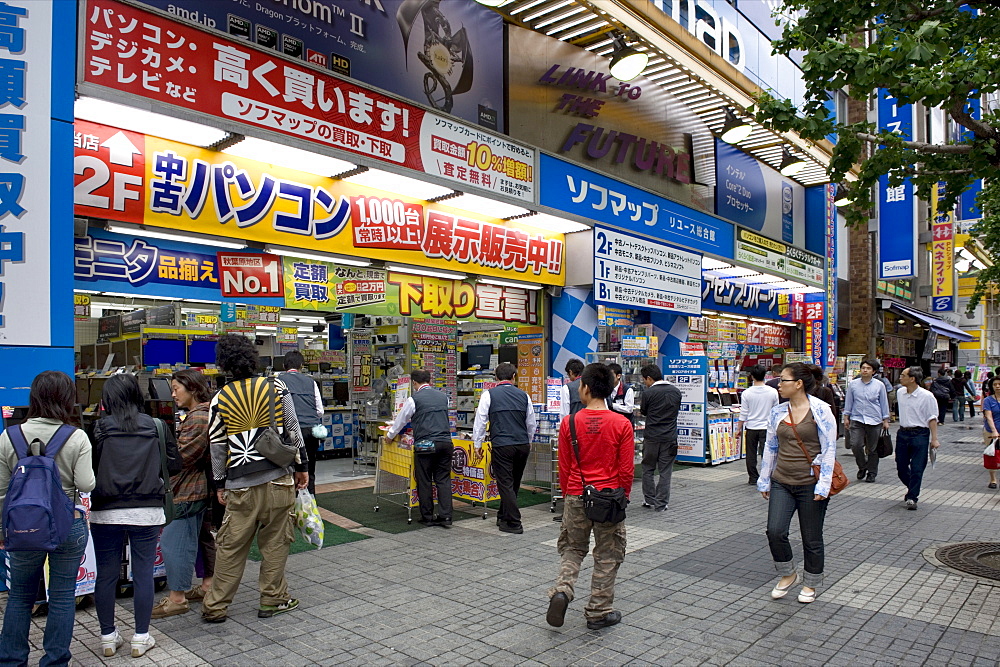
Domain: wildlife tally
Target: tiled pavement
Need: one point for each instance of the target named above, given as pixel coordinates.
(694, 588)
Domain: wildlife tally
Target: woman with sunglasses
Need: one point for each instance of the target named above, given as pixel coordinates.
(786, 477)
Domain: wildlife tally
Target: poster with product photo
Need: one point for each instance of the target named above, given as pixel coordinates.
(688, 375)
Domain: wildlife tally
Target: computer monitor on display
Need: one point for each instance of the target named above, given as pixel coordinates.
(201, 352)
(507, 354)
(159, 389)
(263, 363)
(479, 355)
(157, 351)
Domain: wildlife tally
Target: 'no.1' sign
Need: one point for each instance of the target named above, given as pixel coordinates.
(244, 274)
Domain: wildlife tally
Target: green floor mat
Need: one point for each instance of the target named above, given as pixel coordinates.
(526, 497)
(332, 536)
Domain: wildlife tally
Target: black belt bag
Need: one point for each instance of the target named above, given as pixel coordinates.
(599, 505)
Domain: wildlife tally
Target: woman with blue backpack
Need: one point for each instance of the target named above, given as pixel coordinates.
(45, 456)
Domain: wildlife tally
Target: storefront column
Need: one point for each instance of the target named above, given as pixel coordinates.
(671, 330)
(574, 326)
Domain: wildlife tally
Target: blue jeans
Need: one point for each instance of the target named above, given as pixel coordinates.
(109, 542)
(958, 409)
(785, 500)
(25, 574)
(912, 448)
(179, 544)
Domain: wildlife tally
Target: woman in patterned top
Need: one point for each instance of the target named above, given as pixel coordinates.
(180, 538)
(787, 481)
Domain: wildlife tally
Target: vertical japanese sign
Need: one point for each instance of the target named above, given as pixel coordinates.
(831, 275)
(35, 187)
(942, 258)
(531, 362)
(897, 237)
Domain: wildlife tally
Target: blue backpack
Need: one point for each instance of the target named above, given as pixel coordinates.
(37, 515)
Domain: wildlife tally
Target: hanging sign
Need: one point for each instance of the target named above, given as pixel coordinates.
(897, 235)
(81, 307)
(942, 258)
(775, 257)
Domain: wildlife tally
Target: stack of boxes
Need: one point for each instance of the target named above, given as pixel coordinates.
(341, 428)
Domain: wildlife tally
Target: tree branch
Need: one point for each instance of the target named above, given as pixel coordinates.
(921, 146)
(923, 172)
(980, 129)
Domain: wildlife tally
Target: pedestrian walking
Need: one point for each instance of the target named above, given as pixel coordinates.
(51, 421)
(756, 403)
(308, 407)
(959, 384)
(991, 428)
(190, 488)
(570, 392)
(917, 430)
(787, 481)
(258, 493)
(128, 503)
(971, 394)
(426, 410)
(988, 382)
(944, 392)
(660, 404)
(866, 413)
(603, 458)
(511, 418)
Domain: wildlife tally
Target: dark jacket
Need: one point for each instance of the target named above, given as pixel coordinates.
(127, 465)
(660, 404)
(942, 388)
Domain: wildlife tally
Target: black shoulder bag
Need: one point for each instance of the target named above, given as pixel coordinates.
(600, 506)
(277, 448)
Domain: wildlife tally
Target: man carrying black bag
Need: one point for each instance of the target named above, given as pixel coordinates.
(606, 462)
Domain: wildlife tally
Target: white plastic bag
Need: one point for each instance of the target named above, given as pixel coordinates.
(991, 449)
(307, 518)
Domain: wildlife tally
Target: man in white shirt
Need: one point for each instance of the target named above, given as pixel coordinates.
(622, 398)
(918, 414)
(756, 403)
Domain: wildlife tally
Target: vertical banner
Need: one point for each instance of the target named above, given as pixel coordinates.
(942, 258)
(897, 237)
(831, 275)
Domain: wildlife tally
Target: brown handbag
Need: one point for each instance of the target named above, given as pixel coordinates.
(839, 481)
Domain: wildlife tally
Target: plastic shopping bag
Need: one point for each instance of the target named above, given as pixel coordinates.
(991, 449)
(307, 518)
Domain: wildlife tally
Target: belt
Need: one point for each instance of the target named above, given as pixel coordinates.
(914, 428)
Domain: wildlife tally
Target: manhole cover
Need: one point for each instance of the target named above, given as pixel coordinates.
(981, 559)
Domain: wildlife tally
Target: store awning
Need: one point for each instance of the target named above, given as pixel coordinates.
(935, 324)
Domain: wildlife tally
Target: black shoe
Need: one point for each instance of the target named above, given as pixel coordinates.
(870, 478)
(444, 523)
(752, 482)
(861, 474)
(507, 528)
(213, 619)
(611, 618)
(647, 506)
(427, 522)
(557, 609)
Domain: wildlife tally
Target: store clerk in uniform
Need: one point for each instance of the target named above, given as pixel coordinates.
(570, 393)
(426, 410)
(622, 398)
(512, 426)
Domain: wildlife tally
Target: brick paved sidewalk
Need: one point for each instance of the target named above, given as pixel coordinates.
(694, 588)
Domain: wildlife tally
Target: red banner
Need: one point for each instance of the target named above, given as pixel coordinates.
(243, 274)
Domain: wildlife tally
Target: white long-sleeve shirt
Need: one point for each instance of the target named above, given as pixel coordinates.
(564, 401)
(483, 416)
(626, 408)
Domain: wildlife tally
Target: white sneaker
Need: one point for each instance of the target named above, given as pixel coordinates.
(111, 643)
(141, 645)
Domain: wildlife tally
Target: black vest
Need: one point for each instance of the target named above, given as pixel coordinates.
(508, 410)
(575, 404)
(430, 419)
(619, 397)
(303, 389)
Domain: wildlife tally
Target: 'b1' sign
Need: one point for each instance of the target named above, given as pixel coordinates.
(243, 274)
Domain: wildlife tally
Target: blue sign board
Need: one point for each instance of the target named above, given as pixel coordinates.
(567, 187)
(395, 45)
(719, 294)
(897, 238)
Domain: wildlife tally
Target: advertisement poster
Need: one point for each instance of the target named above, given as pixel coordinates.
(446, 55)
(942, 258)
(471, 482)
(362, 353)
(774, 257)
(688, 374)
(531, 362)
(897, 235)
(553, 394)
(160, 183)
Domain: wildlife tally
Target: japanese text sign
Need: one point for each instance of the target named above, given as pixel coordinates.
(897, 237)
(750, 300)
(942, 258)
(250, 275)
(776, 257)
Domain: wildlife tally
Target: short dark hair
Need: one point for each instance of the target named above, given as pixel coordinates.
(420, 376)
(53, 396)
(757, 373)
(968, 375)
(574, 367)
(505, 371)
(237, 355)
(195, 383)
(651, 371)
(875, 365)
(293, 359)
(941, 372)
(996, 371)
(615, 368)
(599, 379)
(122, 399)
(917, 373)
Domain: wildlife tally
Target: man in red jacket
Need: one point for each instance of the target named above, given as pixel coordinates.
(607, 461)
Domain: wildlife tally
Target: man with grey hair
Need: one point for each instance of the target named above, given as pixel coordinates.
(918, 415)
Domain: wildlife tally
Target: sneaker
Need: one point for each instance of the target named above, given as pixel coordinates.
(611, 618)
(142, 644)
(911, 504)
(269, 610)
(165, 608)
(111, 643)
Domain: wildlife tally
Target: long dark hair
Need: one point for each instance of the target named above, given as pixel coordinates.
(195, 383)
(122, 399)
(53, 396)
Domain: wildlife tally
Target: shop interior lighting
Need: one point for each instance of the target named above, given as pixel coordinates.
(491, 3)
(275, 329)
(486, 207)
(402, 185)
(126, 295)
(843, 197)
(900, 321)
(318, 256)
(147, 122)
(788, 285)
(735, 129)
(740, 272)
(197, 301)
(626, 62)
(509, 283)
(766, 279)
(550, 223)
(287, 156)
(790, 164)
(172, 235)
(402, 268)
(708, 312)
(712, 264)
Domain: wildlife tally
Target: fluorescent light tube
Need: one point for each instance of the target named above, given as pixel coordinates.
(147, 122)
(504, 283)
(318, 256)
(484, 206)
(185, 237)
(425, 272)
(287, 156)
(548, 222)
(401, 185)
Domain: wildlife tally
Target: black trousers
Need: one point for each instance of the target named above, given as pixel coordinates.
(508, 468)
(434, 469)
(755, 447)
(312, 448)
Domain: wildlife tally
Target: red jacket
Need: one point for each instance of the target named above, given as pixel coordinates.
(607, 449)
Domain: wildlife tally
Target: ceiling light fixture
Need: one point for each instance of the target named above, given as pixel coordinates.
(318, 256)
(735, 129)
(626, 62)
(506, 283)
(712, 264)
(483, 206)
(551, 223)
(287, 156)
(185, 237)
(403, 185)
(843, 196)
(147, 122)
(402, 268)
(790, 164)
